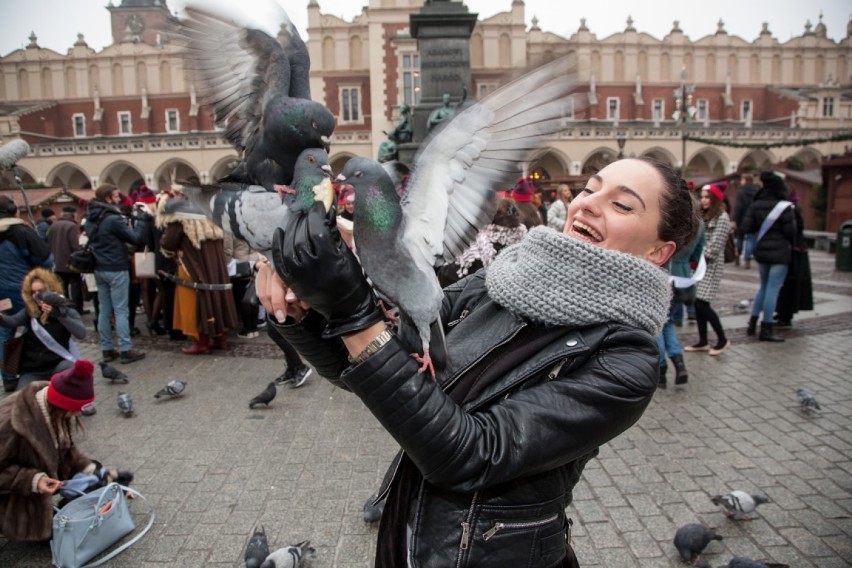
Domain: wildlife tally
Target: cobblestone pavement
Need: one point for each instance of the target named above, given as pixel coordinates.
(213, 469)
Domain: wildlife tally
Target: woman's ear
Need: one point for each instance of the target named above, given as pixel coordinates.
(661, 253)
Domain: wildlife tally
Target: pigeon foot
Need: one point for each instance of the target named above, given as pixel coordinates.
(389, 313)
(425, 363)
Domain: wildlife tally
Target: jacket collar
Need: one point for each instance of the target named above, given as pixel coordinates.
(29, 423)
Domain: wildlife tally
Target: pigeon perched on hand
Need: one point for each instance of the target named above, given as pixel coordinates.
(450, 194)
(259, 90)
(257, 549)
(58, 302)
(252, 214)
(265, 397)
(807, 402)
(691, 539)
(125, 404)
(741, 562)
(112, 374)
(739, 504)
(295, 556)
(174, 388)
(372, 510)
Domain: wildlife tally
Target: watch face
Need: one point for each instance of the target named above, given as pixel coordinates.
(135, 23)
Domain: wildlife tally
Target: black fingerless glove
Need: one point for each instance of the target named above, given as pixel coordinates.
(312, 259)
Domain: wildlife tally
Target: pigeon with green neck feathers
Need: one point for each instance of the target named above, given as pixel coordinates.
(251, 214)
(450, 194)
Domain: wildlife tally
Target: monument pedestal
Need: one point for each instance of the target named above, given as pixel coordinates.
(442, 30)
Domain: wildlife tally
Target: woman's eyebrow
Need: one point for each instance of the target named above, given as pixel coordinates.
(623, 189)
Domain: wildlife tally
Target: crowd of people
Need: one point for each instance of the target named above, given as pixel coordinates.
(596, 281)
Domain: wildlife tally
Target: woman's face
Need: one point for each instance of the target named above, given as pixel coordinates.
(37, 286)
(620, 210)
(706, 200)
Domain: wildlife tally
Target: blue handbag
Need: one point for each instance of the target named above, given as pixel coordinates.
(92, 523)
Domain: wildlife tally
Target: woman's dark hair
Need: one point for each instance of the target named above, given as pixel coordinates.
(715, 209)
(679, 220)
(62, 421)
(507, 214)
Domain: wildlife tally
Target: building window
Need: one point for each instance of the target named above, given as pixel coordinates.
(483, 89)
(568, 109)
(411, 79)
(658, 110)
(745, 111)
(79, 121)
(350, 109)
(828, 107)
(703, 112)
(124, 125)
(612, 108)
(172, 120)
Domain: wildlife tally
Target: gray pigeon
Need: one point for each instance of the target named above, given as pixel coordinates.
(295, 556)
(691, 539)
(56, 301)
(265, 397)
(741, 562)
(259, 90)
(807, 402)
(252, 214)
(174, 388)
(372, 510)
(739, 504)
(257, 549)
(450, 194)
(125, 404)
(112, 374)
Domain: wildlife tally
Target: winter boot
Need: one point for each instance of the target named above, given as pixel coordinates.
(661, 383)
(767, 333)
(220, 342)
(200, 347)
(752, 325)
(681, 375)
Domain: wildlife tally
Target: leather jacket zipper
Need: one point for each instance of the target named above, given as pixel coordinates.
(465, 526)
(517, 526)
(459, 319)
(448, 385)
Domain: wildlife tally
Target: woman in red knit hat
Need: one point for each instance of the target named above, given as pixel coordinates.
(37, 449)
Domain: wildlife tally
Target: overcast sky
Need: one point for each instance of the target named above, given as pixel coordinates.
(57, 22)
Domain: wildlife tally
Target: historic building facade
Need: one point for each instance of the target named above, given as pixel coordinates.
(127, 115)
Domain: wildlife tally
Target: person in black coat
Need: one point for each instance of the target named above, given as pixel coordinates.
(773, 249)
(745, 197)
(797, 292)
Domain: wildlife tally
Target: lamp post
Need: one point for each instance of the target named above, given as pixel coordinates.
(621, 140)
(683, 114)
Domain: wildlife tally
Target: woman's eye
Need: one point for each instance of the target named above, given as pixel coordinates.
(587, 190)
(622, 206)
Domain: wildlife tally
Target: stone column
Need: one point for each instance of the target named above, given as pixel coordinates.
(442, 29)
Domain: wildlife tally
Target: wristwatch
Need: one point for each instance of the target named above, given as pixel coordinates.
(372, 347)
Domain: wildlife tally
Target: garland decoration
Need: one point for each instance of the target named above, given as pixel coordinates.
(766, 145)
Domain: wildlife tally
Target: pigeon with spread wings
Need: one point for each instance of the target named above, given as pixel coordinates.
(450, 194)
(259, 89)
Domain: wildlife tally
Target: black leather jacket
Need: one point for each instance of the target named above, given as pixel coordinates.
(499, 472)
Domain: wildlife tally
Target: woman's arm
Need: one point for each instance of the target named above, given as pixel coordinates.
(14, 320)
(531, 431)
(72, 321)
(714, 246)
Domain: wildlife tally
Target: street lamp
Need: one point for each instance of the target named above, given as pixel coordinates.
(621, 140)
(683, 114)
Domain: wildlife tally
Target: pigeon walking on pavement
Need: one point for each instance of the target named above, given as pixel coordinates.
(738, 504)
(807, 402)
(259, 90)
(265, 397)
(112, 374)
(450, 195)
(125, 404)
(174, 388)
(742, 562)
(257, 549)
(294, 556)
(691, 539)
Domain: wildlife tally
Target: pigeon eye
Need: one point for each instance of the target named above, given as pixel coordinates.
(311, 160)
(314, 125)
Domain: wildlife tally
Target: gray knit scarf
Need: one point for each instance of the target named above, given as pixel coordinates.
(553, 279)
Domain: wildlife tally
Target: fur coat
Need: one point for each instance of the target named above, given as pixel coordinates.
(27, 448)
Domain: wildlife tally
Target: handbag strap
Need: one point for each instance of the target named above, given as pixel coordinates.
(772, 217)
(133, 540)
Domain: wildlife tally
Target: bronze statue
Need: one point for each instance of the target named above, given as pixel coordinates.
(402, 134)
(445, 111)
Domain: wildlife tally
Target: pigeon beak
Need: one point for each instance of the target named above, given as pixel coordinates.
(326, 143)
(340, 178)
(327, 169)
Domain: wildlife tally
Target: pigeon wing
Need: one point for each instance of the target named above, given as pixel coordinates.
(237, 69)
(450, 195)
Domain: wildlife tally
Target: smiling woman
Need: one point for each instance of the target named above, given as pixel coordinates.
(552, 353)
